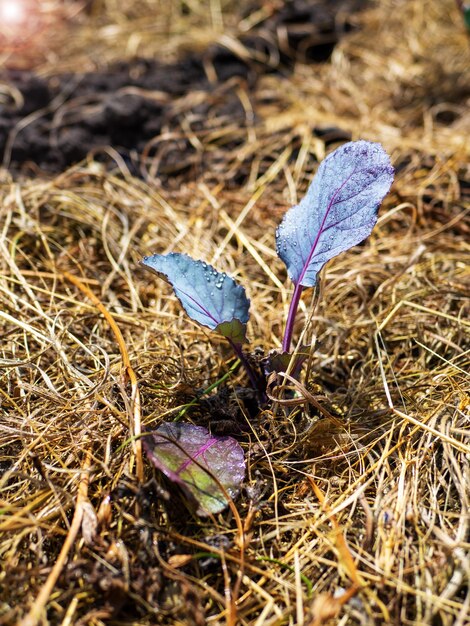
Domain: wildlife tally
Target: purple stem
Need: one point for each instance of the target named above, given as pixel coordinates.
(294, 304)
(258, 384)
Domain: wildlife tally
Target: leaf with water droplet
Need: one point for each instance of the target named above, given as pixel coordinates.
(224, 309)
(338, 211)
(208, 469)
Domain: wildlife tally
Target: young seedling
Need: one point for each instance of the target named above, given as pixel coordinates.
(338, 212)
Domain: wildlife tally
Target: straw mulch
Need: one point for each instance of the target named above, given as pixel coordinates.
(358, 518)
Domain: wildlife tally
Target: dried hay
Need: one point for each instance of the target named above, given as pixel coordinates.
(360, 519)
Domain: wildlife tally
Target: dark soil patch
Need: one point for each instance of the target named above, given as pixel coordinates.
(142, 108)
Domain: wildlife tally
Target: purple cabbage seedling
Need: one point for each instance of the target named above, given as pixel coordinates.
(338, 212)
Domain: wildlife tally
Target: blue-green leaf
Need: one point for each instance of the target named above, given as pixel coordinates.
(209, 297)
(338, 211)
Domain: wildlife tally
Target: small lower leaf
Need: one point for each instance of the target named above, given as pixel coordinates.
(279, 361)
(209, 469)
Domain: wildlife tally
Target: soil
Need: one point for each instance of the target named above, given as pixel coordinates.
(137, 107)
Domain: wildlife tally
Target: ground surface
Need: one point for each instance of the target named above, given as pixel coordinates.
(55, 121)
(128, 128)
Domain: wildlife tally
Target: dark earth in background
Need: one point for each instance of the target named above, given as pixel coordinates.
(137, 107)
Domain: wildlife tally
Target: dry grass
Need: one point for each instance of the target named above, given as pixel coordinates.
(360, 520)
